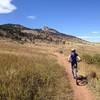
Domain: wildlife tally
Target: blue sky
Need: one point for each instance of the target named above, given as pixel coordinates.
(74, 17)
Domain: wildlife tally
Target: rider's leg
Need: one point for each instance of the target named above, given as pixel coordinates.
(72, 66)
(74, 70)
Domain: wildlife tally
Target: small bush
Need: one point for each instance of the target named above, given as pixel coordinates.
(95, 59)
(88, 59)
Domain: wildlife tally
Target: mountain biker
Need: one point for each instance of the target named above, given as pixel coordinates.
(73, 59)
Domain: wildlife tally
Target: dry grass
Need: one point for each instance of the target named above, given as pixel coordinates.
(93, 83)
(29, 72)
(90, 63)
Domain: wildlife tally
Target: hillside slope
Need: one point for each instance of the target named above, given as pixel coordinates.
(20, 33)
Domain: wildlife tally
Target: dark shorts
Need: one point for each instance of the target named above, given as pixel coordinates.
(74, 64)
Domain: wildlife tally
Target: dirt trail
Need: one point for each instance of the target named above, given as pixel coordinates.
(80, 92)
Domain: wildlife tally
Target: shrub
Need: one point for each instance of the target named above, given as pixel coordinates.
(88, 59)
(95, 59)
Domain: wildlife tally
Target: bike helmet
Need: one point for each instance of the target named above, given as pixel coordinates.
(73, 50)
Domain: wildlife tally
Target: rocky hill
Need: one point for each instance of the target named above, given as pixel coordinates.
(23, 34)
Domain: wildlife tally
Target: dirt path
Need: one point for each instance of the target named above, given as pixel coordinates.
(80, 92)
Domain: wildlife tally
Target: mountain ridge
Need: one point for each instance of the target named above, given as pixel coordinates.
(24, 34)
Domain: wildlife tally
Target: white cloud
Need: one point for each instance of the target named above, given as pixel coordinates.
(95, 32)
(89, 37)
(6, 6)
(31, 17)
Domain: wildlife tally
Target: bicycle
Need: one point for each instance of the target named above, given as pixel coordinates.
(80, 79)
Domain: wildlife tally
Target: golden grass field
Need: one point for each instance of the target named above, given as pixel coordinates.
(31, 71)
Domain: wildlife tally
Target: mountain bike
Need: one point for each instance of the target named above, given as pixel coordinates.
(80, 79)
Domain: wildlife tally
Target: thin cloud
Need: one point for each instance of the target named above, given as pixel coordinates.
(89, 37)
(95, 32)
(31, 17)
(6, 6)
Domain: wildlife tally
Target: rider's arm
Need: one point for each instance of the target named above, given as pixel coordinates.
(79, 59)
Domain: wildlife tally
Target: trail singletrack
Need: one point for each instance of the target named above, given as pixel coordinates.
(80, 92)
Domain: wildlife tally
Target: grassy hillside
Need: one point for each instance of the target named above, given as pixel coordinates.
(29, 72)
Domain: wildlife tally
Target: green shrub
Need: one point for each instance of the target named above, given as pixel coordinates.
(92, 59)
(88, 59)
(97, 59)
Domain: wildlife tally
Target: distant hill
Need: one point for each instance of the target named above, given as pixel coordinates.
(23, 34)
